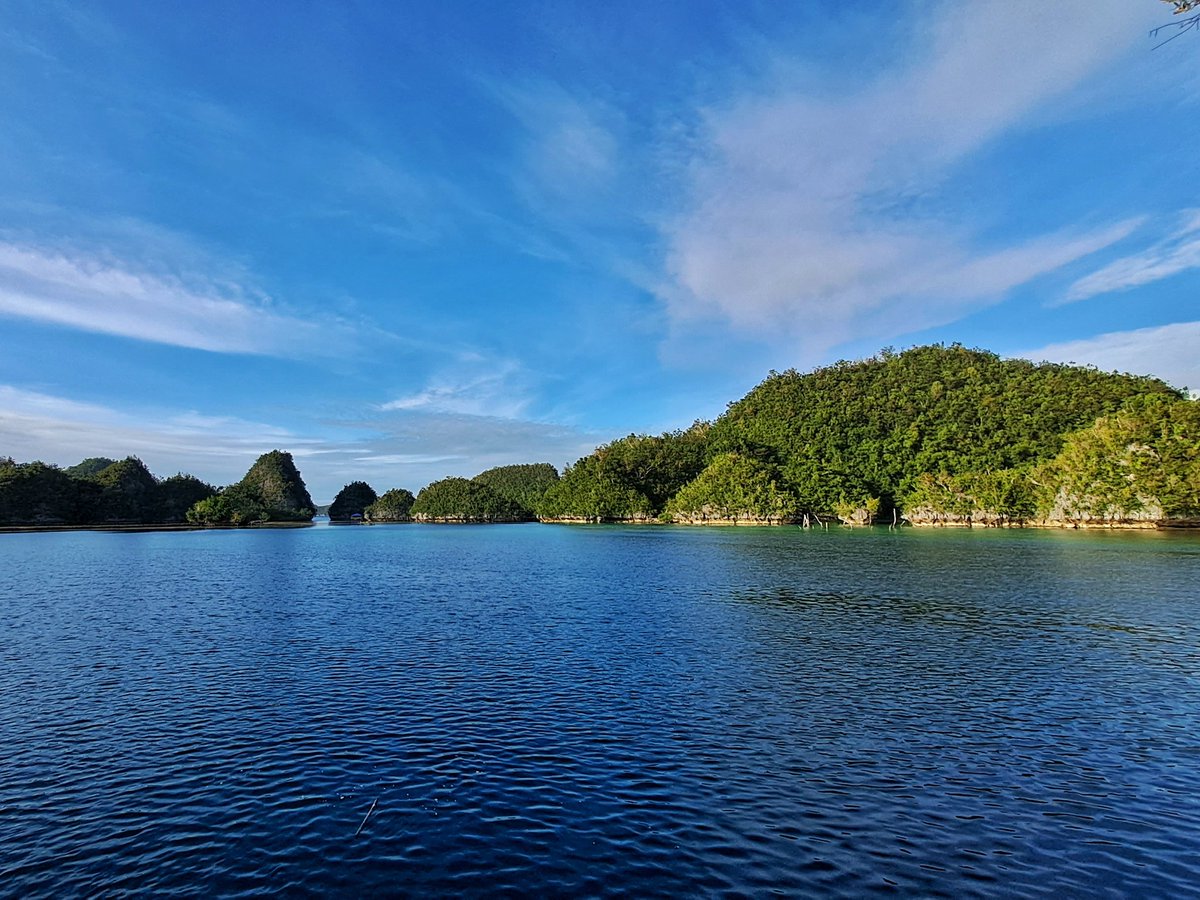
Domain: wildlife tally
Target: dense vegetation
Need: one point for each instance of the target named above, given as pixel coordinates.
(93, 465)
(394, 506)
(872, 428)
(351, 502)
(630, 479)
(275, 482)
(502, 494)
(524, 485)
(464, 500)
(1007, 497)
(1141, 463)
(734, 488)
(936, 431)
(271, 491)
(115, 493)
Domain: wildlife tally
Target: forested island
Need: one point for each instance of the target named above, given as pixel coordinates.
(934, 435)
(105, 492)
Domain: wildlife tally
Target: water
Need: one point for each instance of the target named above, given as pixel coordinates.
(594, 711)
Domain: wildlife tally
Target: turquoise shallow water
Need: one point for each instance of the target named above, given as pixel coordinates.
(600, 710)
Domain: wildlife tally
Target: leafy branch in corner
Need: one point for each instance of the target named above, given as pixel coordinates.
(1189, 8)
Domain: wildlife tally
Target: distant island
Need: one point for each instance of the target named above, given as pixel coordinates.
(101, 492)
(934, 435)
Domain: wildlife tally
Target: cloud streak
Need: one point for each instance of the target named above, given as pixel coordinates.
(568, 150)
(412, 447)
(95, 294)
(1179, 252)
(35, 425)
(813, 216)
(395, 448)
(1166, 351)
(475, 386)
(458, 444)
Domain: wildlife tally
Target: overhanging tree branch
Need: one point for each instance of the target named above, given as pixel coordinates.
(1192, 22)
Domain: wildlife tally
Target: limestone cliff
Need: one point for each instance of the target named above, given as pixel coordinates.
(275, 482)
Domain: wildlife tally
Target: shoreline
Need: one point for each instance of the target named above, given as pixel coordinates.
(134, 529)
(1158, 525)
(1152, 525)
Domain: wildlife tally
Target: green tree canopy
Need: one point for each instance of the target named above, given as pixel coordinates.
(215, 510)
(524, 485)
(1140, 463)
(1004, 497)
(271, 491)
(593, 491)
(235, 505)
(462, 500)
(351, 500)
(179, 493)
(93, 465)
(39, 494)
(119, 493)
(394, 506)
(871, 428)
(628, 479)
(129, 493)
(734, 488)
(275, 484)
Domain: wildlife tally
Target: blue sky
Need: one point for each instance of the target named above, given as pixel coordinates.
(407, 240)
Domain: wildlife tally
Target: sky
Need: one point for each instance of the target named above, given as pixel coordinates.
(407, 240)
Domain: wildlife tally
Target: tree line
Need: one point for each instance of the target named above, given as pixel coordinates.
(935, 435)
(106, 492)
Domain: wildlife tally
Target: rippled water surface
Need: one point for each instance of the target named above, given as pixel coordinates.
(562, 711)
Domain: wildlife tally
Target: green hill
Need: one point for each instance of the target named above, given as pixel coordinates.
(631, 479)
(275, 482)
(870, 429)
(936, 435)
(394, 506)
(857, 440)
(35, 493)
(129, 493)
(524, 485)
(89, 467)
(462, 500)
(351, 501)
(271, 491)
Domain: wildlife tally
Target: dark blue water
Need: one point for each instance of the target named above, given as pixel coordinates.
(563, 711)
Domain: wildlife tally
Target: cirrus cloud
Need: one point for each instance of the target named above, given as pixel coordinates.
(97, 294)
(1178, 252)
(818, 214)
(1166, 351)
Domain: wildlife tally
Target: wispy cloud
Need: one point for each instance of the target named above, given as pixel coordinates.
(814, 213)
(474, 386)
(36, 425)
(369, 189)
(567, 148)
(1178, 252)
(394, 448)
(411, 448)
(107, 296)
(1166, 351)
